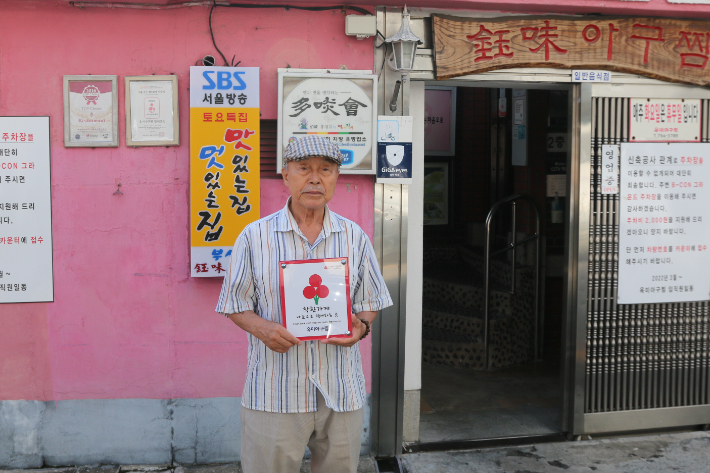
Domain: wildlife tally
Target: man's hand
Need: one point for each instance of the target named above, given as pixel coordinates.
(358, 331)
(274, 335)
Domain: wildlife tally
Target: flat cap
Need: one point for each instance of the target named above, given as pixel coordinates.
(312, 145)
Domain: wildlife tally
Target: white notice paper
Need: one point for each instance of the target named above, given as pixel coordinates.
(152, 111)
(394, 129)
(664, 120)
(315, 298)
(664, 223)
(26, 273)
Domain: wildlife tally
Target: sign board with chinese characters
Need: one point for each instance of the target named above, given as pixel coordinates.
(340, 107)
(662, 48)
(315, 298)
(394, 149)
(664, 223)
(664, 120)
(26, 273)
(224, 163)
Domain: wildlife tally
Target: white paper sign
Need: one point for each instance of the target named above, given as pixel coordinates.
(610, 169)
(664, 223)
(26, 273)
(664, 120)
(315, 298)
(394, 129)
(152, 111)
(556, 185)
(519, 112)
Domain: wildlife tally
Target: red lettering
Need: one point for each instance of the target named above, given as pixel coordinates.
(546, 35)
(658, 38)
(502, 44)
(692, 40)
(597, 34)
(484, 38)
(609, 51)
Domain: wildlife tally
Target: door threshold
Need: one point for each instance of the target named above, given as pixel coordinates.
(482, 443)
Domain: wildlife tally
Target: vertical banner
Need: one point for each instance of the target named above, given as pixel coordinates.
(224, 163)
(26, 273)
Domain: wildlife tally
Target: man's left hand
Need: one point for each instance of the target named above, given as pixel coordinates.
(358, 331)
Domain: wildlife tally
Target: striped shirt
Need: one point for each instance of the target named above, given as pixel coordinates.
(287, 382)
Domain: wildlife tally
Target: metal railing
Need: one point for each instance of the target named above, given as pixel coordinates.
(511, 246)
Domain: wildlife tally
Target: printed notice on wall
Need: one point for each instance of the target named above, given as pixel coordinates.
(152, 111)
(26, 273)
(663, 228)
(664, 120)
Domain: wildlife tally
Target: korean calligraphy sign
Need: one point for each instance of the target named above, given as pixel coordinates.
(339, 107)
(667, 49)
(664, 223)
(26, 261)
(224, 163)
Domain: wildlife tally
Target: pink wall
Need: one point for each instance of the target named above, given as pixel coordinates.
(606, 7)
(128, 321)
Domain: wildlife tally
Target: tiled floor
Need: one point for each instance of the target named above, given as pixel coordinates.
(460, 405)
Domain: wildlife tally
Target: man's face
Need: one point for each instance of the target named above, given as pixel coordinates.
(310, 181)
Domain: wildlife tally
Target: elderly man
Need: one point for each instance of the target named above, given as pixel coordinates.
(300, 393)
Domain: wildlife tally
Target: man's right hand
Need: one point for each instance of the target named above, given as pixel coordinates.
(274, 335)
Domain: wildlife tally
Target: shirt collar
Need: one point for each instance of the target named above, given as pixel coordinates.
(286, 222)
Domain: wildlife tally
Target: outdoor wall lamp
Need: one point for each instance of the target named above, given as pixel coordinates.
(404, 50)
(404, 46)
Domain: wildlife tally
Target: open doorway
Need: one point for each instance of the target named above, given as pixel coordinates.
(493, 372)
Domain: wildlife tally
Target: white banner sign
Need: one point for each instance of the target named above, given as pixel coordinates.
(26, 273)
(610, 169)
(663, 228)
(664, 120)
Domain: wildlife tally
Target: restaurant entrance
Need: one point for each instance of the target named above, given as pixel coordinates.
(493, 263)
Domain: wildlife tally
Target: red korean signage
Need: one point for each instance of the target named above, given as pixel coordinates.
(666, 49)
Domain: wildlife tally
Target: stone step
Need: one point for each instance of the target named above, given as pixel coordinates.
(467, 296)
(463, 351)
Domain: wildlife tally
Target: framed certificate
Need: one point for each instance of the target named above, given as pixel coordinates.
(152, 117)
(90, 111)
(315, 298)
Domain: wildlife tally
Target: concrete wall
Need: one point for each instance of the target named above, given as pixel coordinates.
(94, 376)
(124, 431)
